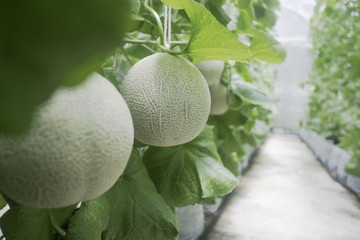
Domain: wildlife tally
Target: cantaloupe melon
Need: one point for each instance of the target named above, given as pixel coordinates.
(220, 99)
(168, 98)
(76, 148)
(212, 70)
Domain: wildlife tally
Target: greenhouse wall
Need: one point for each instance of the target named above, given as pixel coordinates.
(292, 29)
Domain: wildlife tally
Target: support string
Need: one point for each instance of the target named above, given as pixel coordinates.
(167, 27)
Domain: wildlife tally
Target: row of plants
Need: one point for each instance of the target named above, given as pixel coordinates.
(334, 109)
(189, 154)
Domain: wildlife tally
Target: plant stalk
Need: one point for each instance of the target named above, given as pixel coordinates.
(172, 52)
(157, 18)
(57, 228)
(137, 41)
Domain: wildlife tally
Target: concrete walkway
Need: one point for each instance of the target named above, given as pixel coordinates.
(288, 195)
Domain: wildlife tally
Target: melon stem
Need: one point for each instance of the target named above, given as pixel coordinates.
(56, 227)
(157, 18)
(172, 52)
(138, 41)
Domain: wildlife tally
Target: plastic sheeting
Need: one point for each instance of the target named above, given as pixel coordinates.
(292, 29)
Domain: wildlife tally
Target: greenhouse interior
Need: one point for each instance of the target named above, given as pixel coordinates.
(180, 119)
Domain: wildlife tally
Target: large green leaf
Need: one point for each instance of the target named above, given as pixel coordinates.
(131, 209)
(46, 44)
(249, 93)
(90, 221)
(229, 145)
(225, 138)
(265, 47)
(187, 173)
(210, 40)
(24, 223)
(60, 215)
(137, 210)
(230, 162)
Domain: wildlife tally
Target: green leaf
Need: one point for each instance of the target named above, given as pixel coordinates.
(259, 11)
(131, 209)
(230, 146)
(137, 210)
(250, 139)
(353, 166)
(230, 162)
(226, 75)
(231, 117)
(177, 4)
(249, 125)
(354, 60)
(3, 203)
(265, 47)
(249, 92)
(9, 201)
(266, 12)
(24, 223)
(242, 69)
(210, 40)
(226, 141)
(90, 220)
(136, 4)
(42, 48)
(209, 201)
(60, 215)
(117, 75)
(245, 19)
(188, 173)
(242, 4)
(137, 52)
(217, 11)
(135, 24)
(259, 128)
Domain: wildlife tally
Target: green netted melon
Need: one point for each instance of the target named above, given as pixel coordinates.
(212, 70)
(76, 148)
(220, 99)
(168, 98)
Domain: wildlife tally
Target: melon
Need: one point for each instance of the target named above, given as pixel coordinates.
(220, 99)
(168, 98)
(212, 70)
(76, 148)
